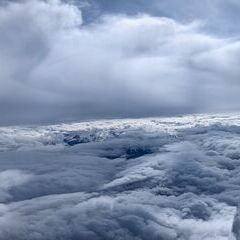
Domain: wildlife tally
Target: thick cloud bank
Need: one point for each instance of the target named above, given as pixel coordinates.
(55, 67)
(162, 178)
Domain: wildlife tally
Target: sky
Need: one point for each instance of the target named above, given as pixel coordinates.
(78, 60)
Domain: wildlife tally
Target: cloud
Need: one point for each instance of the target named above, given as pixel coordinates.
(220, 16)
(169, 178)
(59, 69)
(10, 179)
(162, 178)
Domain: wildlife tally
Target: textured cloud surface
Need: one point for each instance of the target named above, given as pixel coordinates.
(56, 67)
(172, 178)
(162, 178)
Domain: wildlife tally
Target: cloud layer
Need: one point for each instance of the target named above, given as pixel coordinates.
(56, 68)
(169, 178)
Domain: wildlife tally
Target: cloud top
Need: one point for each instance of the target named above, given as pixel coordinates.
(162, 178)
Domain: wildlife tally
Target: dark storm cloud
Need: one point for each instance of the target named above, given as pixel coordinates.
(55, 68)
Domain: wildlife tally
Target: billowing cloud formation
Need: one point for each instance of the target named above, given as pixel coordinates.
(169, 178)
(56, 68)
(220, 16)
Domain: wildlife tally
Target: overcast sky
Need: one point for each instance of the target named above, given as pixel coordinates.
(75, 60)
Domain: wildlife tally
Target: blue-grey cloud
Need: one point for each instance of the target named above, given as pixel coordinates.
(58, 69)
(55, 67)
(169, 178)
(159, 178)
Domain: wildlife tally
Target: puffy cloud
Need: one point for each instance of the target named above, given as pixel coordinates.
(162, 178)
(10, 179)
(58, 68)
(220, 16)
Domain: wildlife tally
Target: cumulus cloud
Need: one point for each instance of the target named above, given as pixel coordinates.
(54, 67)
(220, 16)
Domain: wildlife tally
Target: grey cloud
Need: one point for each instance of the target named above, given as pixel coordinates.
(97, 180)
(155, 178)
(59, 70)
(10, 179)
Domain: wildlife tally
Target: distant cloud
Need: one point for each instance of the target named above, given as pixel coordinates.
(54, 68)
